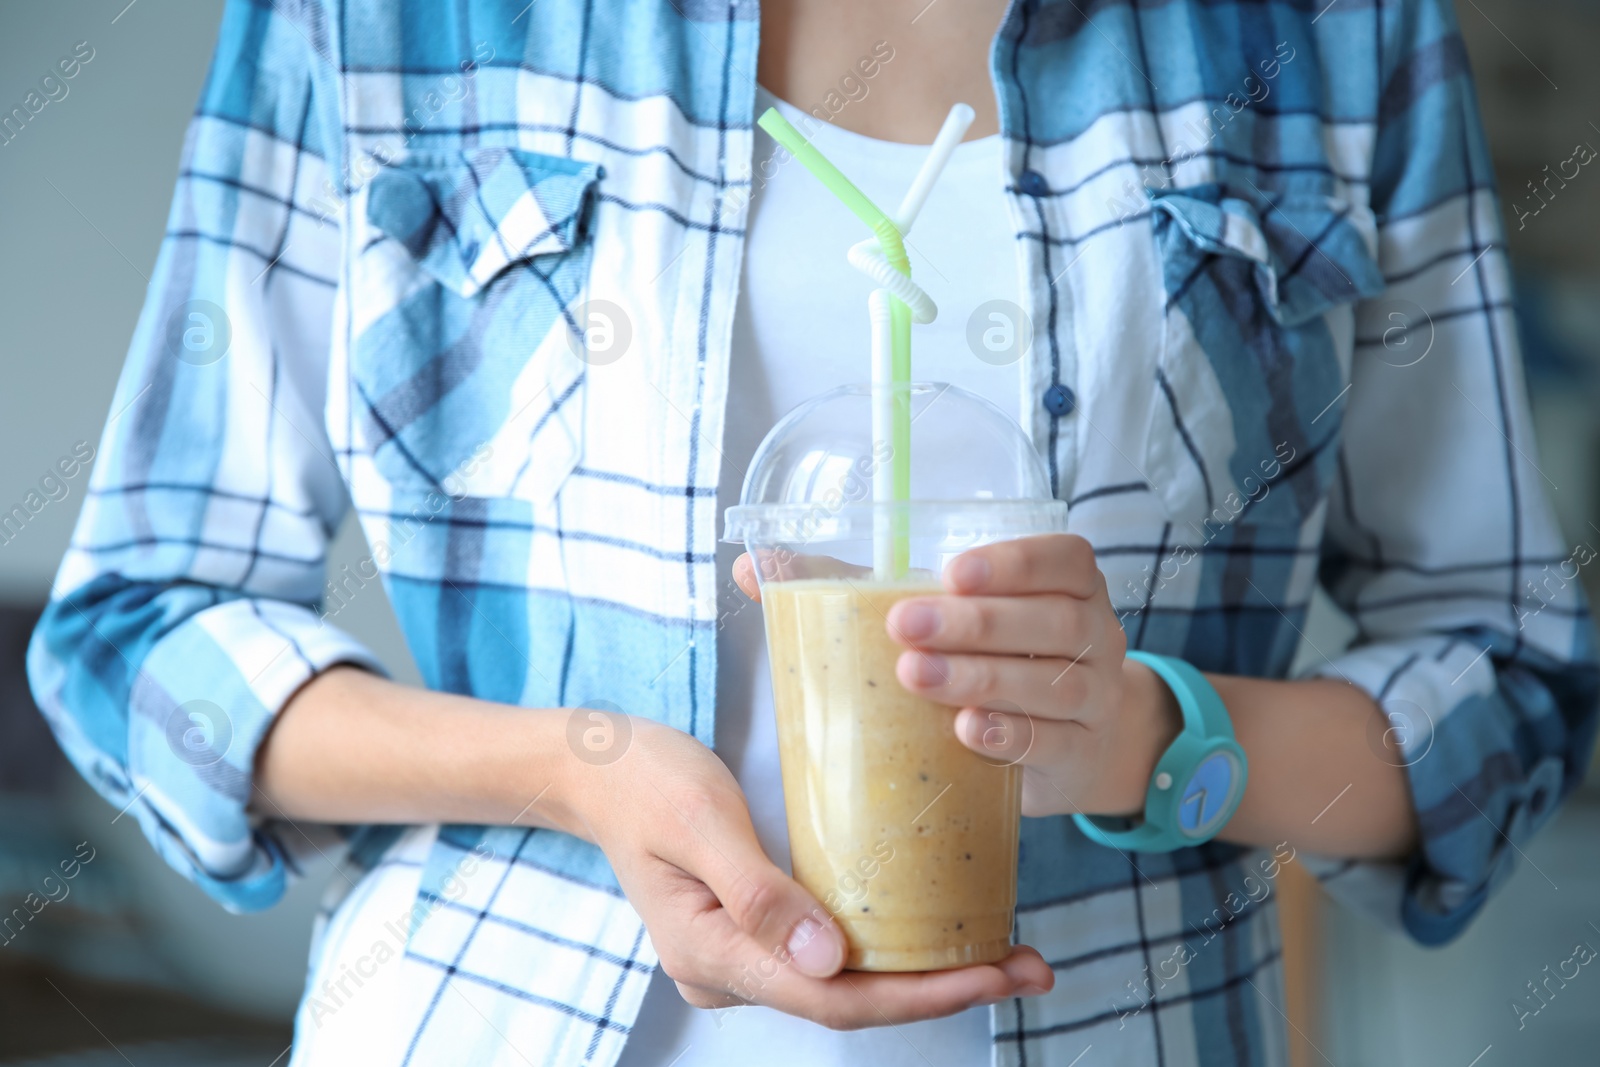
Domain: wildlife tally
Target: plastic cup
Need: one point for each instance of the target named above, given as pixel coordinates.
(905, 835)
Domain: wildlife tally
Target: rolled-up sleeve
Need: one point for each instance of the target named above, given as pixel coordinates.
(1473, 632)
(186, 612)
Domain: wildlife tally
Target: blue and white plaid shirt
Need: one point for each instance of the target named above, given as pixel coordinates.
(1273, 346)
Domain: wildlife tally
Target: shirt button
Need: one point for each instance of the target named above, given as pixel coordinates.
(1033, 183)
(1059, 401)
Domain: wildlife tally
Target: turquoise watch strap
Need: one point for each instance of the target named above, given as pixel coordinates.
(1197, 783)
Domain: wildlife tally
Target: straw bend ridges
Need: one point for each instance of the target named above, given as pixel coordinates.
(868, 258)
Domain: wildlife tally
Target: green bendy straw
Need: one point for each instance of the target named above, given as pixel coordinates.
(888, 234)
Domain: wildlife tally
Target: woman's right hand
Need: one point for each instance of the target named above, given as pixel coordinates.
(729, 926)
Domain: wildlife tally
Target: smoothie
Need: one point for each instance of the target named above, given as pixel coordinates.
(907, 837)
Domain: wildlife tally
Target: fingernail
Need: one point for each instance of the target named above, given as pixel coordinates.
(970, 572)
(930, 669)
(815, 951)
(1030, 990)
(916, 621)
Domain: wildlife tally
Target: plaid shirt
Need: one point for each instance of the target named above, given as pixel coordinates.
(1273, 345)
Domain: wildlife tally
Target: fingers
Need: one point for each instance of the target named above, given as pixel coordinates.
(744, 576)
(1050, 563)
(1008, 738)
(764, 904)
(901, 998)
(854, 1000)
(1053, 688)
(1044, 625)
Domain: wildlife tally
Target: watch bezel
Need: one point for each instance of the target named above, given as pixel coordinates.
(1214, 747)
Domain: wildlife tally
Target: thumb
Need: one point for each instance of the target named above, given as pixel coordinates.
(774, 910)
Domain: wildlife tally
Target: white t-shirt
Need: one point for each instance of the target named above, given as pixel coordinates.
(801, 328)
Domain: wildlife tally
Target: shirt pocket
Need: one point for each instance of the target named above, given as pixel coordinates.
(464, 377)
(1255, 350)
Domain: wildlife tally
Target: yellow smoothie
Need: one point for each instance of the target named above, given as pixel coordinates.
(906, 836)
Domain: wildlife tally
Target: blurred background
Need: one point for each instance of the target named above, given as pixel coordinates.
(134, 965)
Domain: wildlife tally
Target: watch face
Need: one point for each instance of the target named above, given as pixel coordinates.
(1208, 795)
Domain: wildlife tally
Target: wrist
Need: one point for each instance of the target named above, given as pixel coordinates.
(552, 786)
(591, 756)
(1148, 722)
(515, 768)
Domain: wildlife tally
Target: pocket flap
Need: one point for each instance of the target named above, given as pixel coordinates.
(467, 216)
(1250, 360)
(1309, 252)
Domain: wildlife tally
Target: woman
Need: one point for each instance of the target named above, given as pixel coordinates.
(522, 284)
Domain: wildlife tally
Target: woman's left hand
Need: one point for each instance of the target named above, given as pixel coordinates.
(1027, 646)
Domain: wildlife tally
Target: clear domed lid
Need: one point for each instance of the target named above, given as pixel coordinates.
(812, 477)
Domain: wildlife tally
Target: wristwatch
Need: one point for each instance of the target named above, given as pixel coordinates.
(1199, 780)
